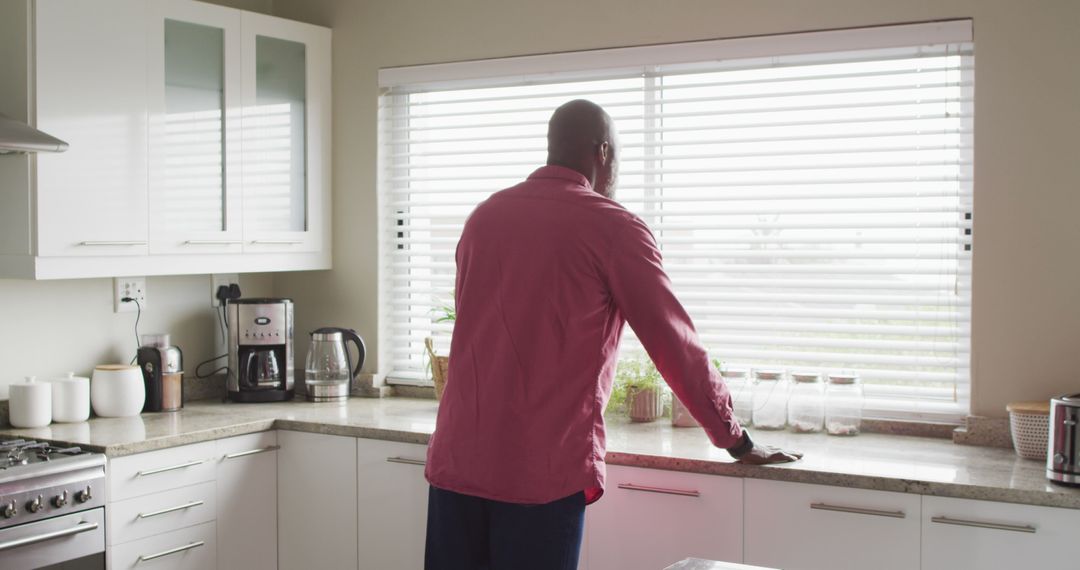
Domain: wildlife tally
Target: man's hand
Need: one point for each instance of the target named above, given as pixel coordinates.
(765, 454)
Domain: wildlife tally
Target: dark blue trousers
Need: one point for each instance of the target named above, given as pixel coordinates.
(470, 533)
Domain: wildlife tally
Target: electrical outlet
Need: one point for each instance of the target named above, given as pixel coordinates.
(134, 287)
(216, 281)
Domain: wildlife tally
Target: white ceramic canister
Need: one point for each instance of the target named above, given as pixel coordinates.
(117, 390)
(30, 404)
(71, 398)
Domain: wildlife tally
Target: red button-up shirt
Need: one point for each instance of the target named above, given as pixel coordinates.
(548, 272)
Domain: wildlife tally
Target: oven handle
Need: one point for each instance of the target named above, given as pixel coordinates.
(77, 529)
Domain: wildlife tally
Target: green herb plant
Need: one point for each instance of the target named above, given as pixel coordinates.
(632, 375)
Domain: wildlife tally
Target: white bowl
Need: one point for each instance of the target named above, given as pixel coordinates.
(117, 391)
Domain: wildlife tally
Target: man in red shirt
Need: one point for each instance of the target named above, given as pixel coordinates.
(548, 273)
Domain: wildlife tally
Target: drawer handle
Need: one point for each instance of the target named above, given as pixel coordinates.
(118, 242)
(213, 242)
(406, 461)
(277, 242)
(28, 540)
(661, 490)
(980, 524)
(177, 550)
(171, 509)
(172, 468)
(857, 510)
(252, 452)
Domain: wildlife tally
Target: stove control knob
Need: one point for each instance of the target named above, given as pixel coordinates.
(60, 500)
(35, 505)
(84, 495)
(9, 510)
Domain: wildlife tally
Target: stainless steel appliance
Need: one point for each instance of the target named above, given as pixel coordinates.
(1063, 455)
(328, 372)
(52, 506)
(163, 375)
(260, 350)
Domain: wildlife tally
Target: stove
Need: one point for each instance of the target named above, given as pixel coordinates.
(52, 501)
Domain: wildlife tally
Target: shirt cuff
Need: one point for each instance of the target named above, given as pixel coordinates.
(743, 447)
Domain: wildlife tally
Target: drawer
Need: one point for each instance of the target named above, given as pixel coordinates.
(141, 517)
(233, 448)
(185, 549)
(156, 471)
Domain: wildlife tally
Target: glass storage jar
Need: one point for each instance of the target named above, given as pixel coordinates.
(843, 405)
(806, 406)
(770, 399)
(742, 393)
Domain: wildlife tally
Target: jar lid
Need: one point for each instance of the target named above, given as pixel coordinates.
(1039, 408)
(734, 373)
(806, 377)
(843, 378)
(112, 367)
(768, 374)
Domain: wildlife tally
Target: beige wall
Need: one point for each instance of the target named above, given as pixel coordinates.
(48, 328)
(1027, 237)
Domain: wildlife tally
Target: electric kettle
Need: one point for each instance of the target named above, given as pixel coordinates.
(329, 373)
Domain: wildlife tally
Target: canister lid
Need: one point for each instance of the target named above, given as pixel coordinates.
(1037, 408)
(843, 378)
(768, 374)
(806, 377)
(734, 373)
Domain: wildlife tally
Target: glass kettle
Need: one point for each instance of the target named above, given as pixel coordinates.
(329, 371)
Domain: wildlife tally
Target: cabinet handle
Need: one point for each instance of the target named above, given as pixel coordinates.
(277, 242)
(661, 490)
(171, 509)
(28, 540)
(858, 510)
(112, 243)
(213, 242)
(172, 468)
(980, 524)
(252, 452)
(178, 549)
(406, 461)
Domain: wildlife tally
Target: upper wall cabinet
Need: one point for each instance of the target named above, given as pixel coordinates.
(199, 140)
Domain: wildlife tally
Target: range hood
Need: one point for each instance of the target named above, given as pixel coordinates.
(19, 137)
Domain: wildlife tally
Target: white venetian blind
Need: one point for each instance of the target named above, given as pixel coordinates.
(813, 205)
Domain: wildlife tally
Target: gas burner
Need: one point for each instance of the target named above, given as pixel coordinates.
(19, 452)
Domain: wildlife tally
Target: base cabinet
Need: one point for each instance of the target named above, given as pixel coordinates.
(392, 512)
(650, 519)
(961, 534)
(247, 507)
(795, 526)
(316, 502)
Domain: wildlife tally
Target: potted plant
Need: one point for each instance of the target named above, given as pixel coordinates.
(639, 389)
(444, 312)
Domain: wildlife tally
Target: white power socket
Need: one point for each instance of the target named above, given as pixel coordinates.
(134, 287)
(216, 281)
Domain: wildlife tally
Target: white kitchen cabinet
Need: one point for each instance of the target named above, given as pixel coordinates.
(286, 135)
(142, 517)
(156, 471)
(392, 494)
(797, 526)
(650, 519)
(182, 549)
(316, 501)
(247, 491)
(961, 534)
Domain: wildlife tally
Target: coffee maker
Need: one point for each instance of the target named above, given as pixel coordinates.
(260, 350)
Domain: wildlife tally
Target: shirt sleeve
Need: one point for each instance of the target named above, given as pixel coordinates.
(642, 292)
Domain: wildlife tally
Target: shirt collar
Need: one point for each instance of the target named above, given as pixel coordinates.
(561, 173)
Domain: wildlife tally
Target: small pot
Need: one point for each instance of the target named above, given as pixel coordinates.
(644, 404)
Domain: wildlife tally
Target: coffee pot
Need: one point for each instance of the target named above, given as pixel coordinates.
(329, 371)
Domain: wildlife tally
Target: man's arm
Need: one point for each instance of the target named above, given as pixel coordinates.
(642, 291)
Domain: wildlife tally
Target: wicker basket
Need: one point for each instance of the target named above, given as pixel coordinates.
(1029, 423)
(440, 366)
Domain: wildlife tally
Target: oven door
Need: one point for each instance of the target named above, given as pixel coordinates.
(70, 541)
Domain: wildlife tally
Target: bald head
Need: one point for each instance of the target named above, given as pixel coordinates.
(581, 137)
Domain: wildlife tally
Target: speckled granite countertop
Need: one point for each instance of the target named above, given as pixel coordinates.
(907, 464)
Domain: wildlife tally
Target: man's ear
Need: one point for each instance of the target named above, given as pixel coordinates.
(603, 151)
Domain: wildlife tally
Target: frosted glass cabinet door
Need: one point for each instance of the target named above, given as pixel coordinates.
(195, 202)
(91, 200)
(286, 134)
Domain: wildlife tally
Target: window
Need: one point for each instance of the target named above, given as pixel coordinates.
(811, 194)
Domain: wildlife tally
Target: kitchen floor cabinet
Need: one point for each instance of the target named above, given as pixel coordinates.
(317, 505)
(392, 495)
(797, 526)
(247, 491)
(649, 519)
(961, 534)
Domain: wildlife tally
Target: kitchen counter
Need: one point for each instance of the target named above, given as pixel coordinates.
(908, 464)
